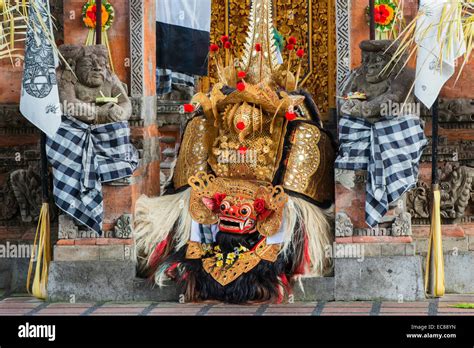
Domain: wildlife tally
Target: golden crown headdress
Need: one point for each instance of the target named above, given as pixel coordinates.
(255, 125)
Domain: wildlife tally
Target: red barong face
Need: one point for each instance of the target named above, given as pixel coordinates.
(237, 217)
(234, 214)
(236, 206)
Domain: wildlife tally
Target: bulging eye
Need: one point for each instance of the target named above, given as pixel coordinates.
(224, 206)
(245, 211)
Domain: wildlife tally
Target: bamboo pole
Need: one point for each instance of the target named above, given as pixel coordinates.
(435, 283)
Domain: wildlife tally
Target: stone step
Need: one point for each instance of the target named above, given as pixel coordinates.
(391, 278)
(13, 273)
(116, 281)
(375, 278)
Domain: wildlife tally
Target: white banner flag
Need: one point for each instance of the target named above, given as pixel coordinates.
(432, 71)
(39, 101)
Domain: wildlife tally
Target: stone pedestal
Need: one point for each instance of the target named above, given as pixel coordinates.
(397, 278)
(394, 228)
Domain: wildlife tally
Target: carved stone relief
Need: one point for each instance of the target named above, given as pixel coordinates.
(123, 227)
(344, 226)
(457, 190)
(20, 196)
(400, 227)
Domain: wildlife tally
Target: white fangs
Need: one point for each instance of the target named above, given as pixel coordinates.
(248, 224)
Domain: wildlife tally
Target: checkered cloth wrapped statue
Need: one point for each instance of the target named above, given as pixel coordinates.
(390, 150)
(84, 157)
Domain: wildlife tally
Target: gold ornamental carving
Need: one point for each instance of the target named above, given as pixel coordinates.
(310, 21)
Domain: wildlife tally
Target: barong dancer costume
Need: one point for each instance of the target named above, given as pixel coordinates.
(254, 183)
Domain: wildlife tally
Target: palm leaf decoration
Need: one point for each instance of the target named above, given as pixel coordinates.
(13, 25)
(461, 15)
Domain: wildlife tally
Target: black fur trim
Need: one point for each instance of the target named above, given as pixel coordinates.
(261, 284)
(258, 285)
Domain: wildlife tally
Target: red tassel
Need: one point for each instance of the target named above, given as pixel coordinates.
(157, 254)
(241, 86)
(284, 280)
(302, 267)
(307, 258)
(292, 40)
(188, 108)
(280, 295)
(170, 269)
(185, 276)
(290, 116)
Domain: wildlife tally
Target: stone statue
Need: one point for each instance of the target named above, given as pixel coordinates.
(88, 89)
(21, 194)
(385, 90)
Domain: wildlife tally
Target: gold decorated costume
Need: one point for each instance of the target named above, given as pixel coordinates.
(255, 173)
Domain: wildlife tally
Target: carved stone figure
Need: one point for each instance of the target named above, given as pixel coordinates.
(402, 225)
(383, 88)
(453, 110)
(418, 200)
(88, 89)
(123, 227)
(344, 226)
(21, 193)
(457, 189)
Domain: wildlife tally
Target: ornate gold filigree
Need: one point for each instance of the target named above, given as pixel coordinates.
(308, 170)
(194, 151)
(195, 251)
(311, 22)
(304, 158)
(245, 263)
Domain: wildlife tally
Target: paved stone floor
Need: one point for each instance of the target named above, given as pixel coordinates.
(25, 305)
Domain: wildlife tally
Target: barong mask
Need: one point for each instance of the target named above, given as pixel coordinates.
(237, 206)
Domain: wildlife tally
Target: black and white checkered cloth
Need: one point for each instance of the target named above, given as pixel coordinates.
(390, 151)
(83, 157)
(166, 78)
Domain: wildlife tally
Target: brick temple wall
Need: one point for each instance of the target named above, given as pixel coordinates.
(19, 144)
